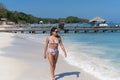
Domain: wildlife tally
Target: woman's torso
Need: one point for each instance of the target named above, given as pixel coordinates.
(53, 42)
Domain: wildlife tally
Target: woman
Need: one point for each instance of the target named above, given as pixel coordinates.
(51, 48)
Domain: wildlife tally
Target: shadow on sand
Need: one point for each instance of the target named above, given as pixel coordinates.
(61, 75)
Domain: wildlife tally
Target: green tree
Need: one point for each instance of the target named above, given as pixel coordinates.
(3, 11)
(20, 17)
(2, 6)
(61, 20)
(72, 19)
(81, 20)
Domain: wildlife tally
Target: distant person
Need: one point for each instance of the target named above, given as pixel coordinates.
(51, 49)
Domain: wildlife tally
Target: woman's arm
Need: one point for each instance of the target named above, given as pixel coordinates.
(45, 48)
(62, 47)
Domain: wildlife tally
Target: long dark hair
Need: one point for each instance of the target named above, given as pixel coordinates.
(52, 30)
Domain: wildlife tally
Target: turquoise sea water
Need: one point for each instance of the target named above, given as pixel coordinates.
(96, 53)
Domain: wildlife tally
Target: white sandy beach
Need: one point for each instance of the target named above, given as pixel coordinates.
(22, 59)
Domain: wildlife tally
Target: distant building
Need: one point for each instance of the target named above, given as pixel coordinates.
(97, 20)
(41, 22)
(10, 23)
(5, 23)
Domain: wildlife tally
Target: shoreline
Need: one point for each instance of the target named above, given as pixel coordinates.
(28, 63)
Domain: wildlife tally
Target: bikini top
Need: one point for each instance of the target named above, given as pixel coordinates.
(53, 41)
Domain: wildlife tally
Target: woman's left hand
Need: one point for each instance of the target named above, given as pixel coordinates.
(65, 55)
(45, 56)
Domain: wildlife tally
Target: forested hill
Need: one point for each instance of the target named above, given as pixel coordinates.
(20, 17)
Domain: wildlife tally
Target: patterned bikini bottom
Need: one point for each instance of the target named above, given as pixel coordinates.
(53, 51)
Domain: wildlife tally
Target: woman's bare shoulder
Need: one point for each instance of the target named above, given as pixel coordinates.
(48, 37)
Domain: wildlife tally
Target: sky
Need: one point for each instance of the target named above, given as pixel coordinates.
(88, 9)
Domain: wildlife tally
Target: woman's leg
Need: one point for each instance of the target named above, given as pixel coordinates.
(55, 60)
(52, 65)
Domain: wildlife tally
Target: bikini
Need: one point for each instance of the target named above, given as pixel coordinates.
(53, 51)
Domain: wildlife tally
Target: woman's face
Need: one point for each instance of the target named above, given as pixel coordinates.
(55, 33)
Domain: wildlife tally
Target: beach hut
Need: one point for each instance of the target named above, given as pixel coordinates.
(3, 21)
(96, 21)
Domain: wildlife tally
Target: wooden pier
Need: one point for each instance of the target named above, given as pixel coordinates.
(66, 29)
(93, 29)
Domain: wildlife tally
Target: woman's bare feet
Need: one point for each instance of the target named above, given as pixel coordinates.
(53, 78)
